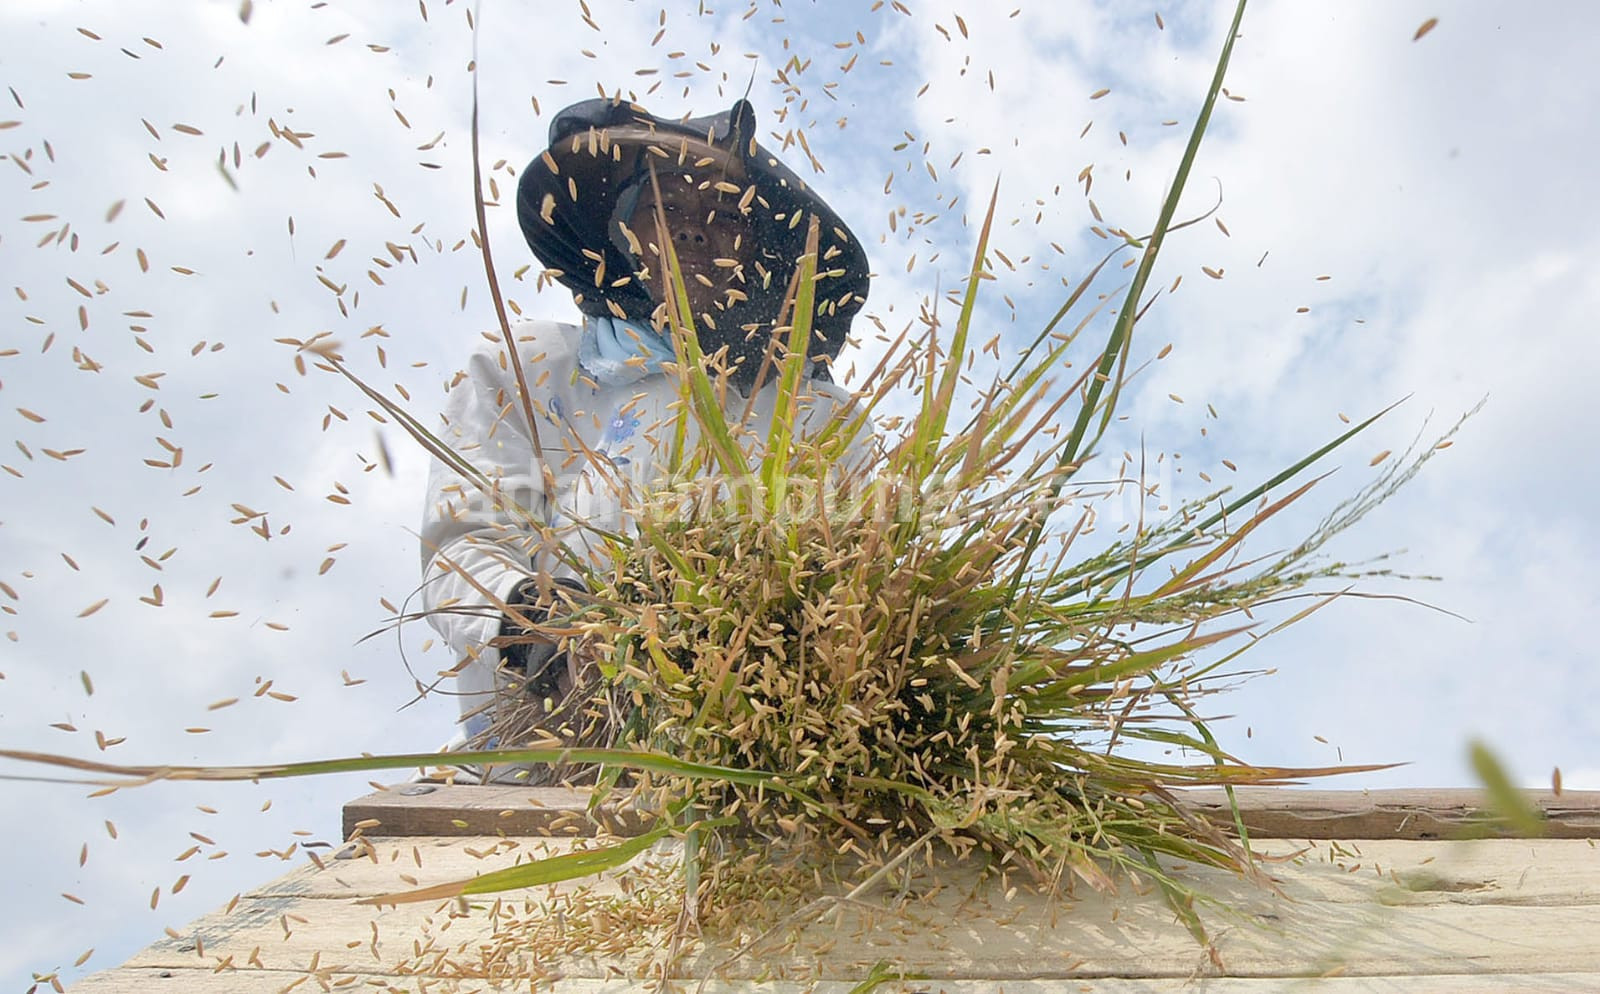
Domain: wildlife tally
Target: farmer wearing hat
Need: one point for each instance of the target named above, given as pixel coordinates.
(498, 564)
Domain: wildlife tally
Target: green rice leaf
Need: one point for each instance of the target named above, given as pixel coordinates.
(627, 758)
(1508, 803)
(1116, 349)
(775, 461)
(537, 873)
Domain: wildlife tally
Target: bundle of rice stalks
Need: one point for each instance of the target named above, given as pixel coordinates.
(901, 635)
(906, 647)
(862, 645)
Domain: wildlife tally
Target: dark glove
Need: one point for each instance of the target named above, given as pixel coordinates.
(535, 656)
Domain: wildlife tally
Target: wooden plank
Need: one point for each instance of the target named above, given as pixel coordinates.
(942, 940)
(1276, 812)
(1531, 872)
(193, 981)
(1269, 812)
(1390, 908)
(960, 928)
(491, 809)
(386, 866)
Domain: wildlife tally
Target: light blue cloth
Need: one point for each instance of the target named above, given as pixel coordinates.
(611, 350)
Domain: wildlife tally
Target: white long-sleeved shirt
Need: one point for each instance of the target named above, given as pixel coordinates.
(599, 443)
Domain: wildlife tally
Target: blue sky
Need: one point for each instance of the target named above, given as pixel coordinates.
(1440, 185)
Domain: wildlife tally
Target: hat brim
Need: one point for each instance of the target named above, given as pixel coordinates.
(569, 197)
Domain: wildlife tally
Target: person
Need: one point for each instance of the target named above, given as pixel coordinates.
(504, 551)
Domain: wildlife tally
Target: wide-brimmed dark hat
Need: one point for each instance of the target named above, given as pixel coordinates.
(573, 197)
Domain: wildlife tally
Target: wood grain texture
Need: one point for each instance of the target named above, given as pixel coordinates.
(1532, 872)
(1511, 908)
(446, 809)
(1277, 812)
(192, 981)
(1370, 891)
(1268, 812)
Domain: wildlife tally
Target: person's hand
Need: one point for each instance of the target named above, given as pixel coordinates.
(532, 654)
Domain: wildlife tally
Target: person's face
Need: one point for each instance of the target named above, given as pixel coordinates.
(709, 236)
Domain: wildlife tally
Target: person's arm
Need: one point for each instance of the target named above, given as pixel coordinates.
(479, 547)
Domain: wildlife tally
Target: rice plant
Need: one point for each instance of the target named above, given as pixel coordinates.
(910, 644)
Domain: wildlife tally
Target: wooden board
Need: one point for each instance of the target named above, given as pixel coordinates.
(144, 981)
(1273, 812)
(1405, 901)
(1552, 872)
(1396, 909)
(448, 809)
(1269, 812)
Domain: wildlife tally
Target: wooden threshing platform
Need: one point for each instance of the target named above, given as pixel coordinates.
(1378, 891)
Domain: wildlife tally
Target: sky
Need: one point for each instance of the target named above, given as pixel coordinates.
(187, 520)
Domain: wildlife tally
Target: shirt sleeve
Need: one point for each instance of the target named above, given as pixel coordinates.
(483, 534)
